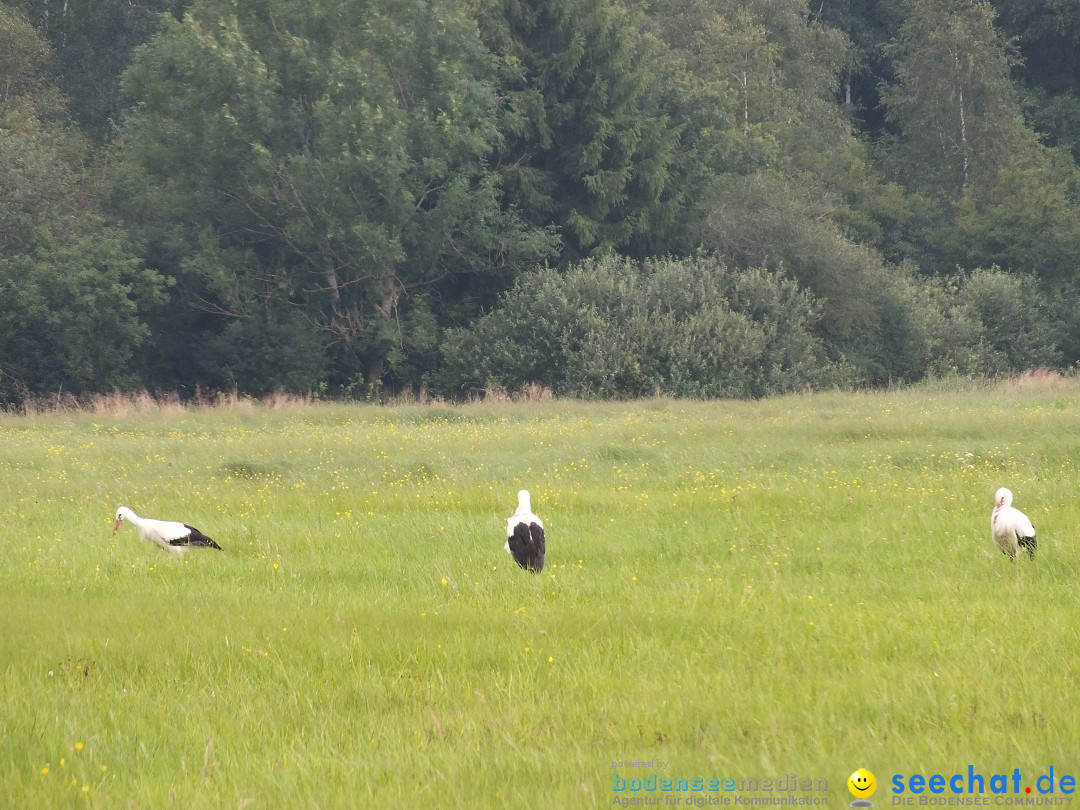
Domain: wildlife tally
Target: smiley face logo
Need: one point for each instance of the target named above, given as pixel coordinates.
(862, 784)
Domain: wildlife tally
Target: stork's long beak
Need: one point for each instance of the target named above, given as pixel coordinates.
(116, 526)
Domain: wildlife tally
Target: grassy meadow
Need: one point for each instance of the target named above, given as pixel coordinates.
(799, 585)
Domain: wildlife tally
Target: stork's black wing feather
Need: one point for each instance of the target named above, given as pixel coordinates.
(195, 538)
(527, 546)
(1029, 544)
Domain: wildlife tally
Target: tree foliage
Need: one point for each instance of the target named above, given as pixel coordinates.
(741, 196)
(587, 148)
(91, 42)
(70, 283)
(953, 101)
(328, 157)
(1047, 36)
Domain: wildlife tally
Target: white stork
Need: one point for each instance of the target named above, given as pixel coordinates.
(525, 536)
(175, 538)
(1010, 527)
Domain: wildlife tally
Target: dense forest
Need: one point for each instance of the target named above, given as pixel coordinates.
(601, 197)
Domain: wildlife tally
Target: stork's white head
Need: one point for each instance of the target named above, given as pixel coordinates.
(524, 507)
(1003, 497)
(122, 514)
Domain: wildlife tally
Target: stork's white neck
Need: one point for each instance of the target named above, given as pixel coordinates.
(126, 514)
(524, 507)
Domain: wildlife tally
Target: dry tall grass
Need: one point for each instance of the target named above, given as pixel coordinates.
(145, 402)
(1039, 379)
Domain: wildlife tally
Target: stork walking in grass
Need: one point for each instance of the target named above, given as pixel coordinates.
(525, 535)
(1010, 527)
(175, 538)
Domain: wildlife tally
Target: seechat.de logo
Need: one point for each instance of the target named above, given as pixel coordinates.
(978, 788)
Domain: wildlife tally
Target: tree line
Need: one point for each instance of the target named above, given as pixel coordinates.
(606, 197)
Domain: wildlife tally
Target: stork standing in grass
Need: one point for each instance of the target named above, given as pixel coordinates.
(1010, 527)
(525, 536)
(175, 538)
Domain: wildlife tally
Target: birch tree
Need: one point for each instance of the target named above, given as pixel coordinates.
(952, 101)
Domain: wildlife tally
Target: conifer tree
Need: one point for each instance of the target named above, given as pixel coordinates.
(586, 147)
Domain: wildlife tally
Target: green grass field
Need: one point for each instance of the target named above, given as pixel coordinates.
(803, 585)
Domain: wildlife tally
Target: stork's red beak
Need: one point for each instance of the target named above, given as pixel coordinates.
(116, 526)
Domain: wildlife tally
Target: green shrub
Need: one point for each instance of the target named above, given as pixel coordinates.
(614, 327)
(996, 323)
(908, 318)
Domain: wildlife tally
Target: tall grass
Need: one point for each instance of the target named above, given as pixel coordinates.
(801, 585)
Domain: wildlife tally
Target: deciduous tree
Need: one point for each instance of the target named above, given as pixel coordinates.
(327, 157)
(72, 291)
